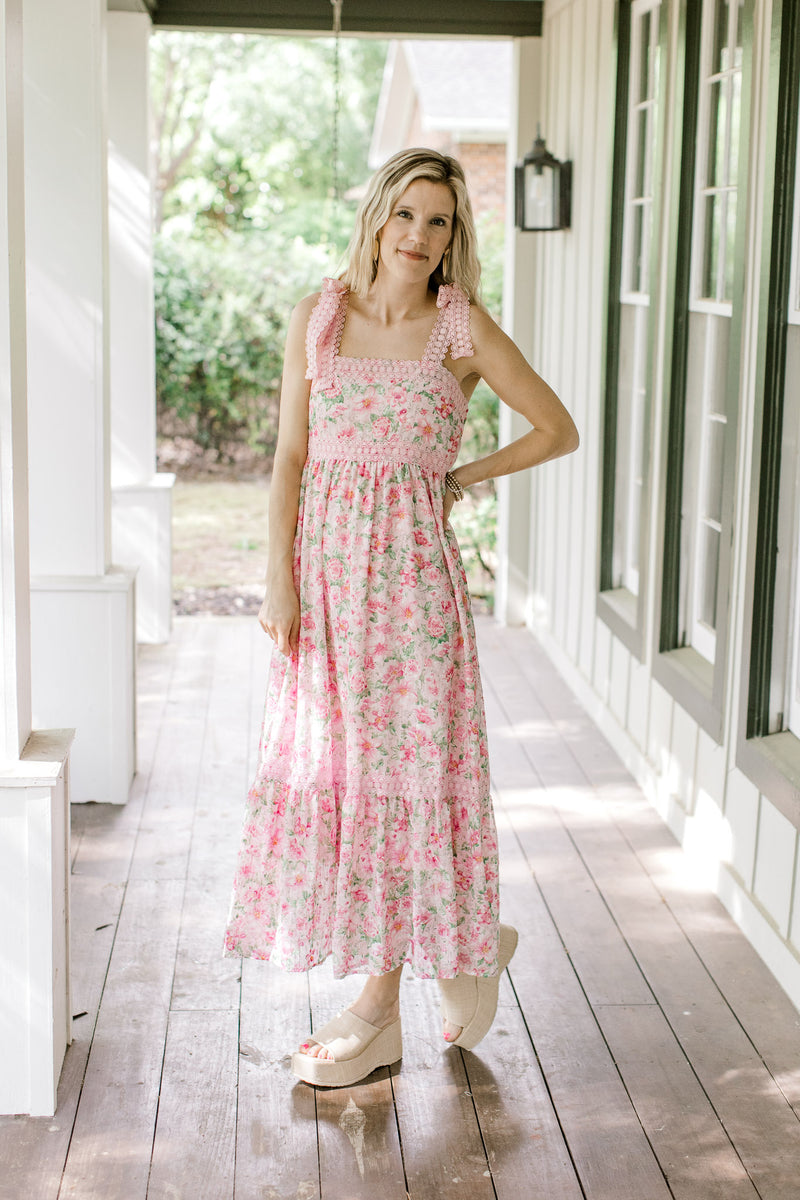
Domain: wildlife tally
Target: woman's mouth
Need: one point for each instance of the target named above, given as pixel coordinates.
(413, 255)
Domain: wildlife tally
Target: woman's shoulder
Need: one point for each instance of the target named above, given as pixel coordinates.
(304, 308)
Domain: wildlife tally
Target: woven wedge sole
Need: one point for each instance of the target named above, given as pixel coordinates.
(358, 1049)
(471, 1000)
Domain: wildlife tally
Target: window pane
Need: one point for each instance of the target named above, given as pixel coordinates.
(720, 59)
(715, 434)
(737, 54)
(639, 178)
(736, 120)
(645, 91)
(655, 55)
(712, 245)
(629, 463)
(708, 562)
(717, 113)
(730, 243)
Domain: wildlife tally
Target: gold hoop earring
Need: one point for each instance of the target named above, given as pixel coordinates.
(376, 254)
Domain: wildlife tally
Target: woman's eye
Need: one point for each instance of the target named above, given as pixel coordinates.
(438, 221)
(403, 212)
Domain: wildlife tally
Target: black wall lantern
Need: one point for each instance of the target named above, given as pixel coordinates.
(543, 188)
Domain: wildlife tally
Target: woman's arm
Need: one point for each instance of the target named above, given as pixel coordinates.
(502, 365)
(279, 615)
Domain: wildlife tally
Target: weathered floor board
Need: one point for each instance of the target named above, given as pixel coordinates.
(641, 1049)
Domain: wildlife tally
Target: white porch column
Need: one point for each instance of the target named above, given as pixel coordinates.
(142, 499)
(35, 1018)
(515, 492)
(82, 608)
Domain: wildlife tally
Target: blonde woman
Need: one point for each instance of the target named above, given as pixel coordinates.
(369, 834)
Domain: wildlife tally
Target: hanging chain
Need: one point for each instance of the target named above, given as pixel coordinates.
(337, 32)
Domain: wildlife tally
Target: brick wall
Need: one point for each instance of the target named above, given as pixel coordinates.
(484, 165)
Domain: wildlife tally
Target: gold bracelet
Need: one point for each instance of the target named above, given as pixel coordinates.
(454, 486)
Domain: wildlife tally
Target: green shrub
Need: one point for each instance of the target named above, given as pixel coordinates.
(222, 306)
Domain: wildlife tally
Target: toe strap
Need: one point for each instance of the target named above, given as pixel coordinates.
(458, 999)
(345, 1036)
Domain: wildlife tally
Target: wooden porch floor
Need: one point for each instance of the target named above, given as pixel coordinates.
(641, 1048)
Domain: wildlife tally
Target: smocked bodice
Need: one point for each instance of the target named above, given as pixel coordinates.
(386, 410)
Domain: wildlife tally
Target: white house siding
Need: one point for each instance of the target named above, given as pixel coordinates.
(737, 838)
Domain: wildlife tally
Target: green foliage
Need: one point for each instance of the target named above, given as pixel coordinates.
(244, 127)
(246, 214)
(221, 313)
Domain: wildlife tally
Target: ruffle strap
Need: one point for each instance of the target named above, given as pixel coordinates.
(324, 330)
(455, 334)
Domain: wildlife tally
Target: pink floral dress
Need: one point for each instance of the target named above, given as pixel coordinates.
(369, 833)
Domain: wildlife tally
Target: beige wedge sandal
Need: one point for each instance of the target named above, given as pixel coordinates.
(358, 1049)
(471, 1000)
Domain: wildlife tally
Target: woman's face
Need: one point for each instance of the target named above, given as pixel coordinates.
(418, 231)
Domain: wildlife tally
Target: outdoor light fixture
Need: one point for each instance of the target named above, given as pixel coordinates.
(543, 187)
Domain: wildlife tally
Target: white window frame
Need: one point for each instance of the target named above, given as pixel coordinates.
(698, 302)
(639, 9)
(793, 308)
(791, 707)
(701, 636)
(626, 547)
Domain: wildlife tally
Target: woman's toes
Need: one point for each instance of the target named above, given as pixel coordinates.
(315, 1050)
(451, 1031)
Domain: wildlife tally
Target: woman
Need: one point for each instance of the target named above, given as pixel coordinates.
(369, 833)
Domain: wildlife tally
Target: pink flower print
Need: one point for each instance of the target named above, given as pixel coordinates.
(397, 394)
(335, 570)
(367, 402)
(358, 682)
(382, 427)
(424, 716)
(421, 538)
(409, 578)
(435, 625)
(307, 621)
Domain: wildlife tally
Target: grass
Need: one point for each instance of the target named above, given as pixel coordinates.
(219, 538)
(219, 534)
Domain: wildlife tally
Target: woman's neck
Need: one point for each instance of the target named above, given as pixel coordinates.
(390, 300)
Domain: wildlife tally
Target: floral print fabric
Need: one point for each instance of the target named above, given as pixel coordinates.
(369, 833)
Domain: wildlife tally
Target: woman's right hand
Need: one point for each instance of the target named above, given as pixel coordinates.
(279, 615)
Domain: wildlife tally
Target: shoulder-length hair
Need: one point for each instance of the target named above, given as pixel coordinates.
(459, 263)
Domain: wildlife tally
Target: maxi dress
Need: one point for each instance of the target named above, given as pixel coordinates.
(369, 834)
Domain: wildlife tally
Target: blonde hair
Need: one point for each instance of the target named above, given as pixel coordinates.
(460, 261)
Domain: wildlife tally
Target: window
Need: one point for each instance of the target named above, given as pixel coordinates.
(625, 492)
(785, 675)
(711, 304)
(768, 741)
(637, 239)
